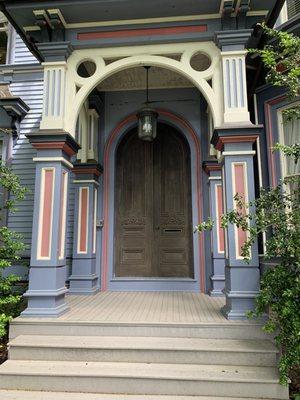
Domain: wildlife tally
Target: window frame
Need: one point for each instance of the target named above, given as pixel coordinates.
(281, 138)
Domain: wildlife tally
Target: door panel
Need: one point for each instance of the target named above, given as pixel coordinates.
(173, 206)
(153, 232)
(133, 208)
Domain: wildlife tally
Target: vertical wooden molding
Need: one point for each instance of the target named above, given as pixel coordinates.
(239, 174)
(82, 242)
(63, 214)
(46, 213)
(220, 212)
(95, 221)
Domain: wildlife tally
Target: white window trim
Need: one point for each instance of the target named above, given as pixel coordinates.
(281, 140)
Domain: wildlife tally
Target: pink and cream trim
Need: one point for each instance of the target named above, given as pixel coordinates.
(95, 221)
(63, 215)
(240, 186)
(46, 214)
(83, 210)
(219, 213)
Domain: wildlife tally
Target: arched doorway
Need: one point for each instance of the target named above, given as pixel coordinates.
(153, 213)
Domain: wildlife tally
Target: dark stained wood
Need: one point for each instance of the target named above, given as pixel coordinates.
(153, 230)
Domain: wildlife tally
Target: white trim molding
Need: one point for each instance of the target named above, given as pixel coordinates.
(42, 227)
(81, 215)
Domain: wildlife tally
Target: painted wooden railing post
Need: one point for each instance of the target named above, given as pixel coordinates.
(214, 170)
(241, 277)
(84, 279)
(47, 275)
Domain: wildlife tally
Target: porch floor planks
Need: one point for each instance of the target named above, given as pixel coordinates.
(145, 307)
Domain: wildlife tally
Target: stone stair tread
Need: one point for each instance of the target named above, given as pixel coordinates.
(180, 372)
(144, 343)
(35, 395)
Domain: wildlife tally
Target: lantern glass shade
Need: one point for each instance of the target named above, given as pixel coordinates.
(147, 124)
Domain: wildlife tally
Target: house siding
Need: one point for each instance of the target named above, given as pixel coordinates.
(19, 52)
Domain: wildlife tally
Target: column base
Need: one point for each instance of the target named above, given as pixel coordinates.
(218, 284)
(46, 292)
(84, 279)
(45, 303)
(241, 289)
(238, 304)
(83, 284)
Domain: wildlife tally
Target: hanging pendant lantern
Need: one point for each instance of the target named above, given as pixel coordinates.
(147, 118)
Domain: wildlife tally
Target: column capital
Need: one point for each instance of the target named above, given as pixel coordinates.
(53, 139)
(235, 134)
(55, 51)
(211, 165)
(232, 40)
(87, 170)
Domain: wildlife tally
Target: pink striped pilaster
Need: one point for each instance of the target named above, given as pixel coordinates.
(46, 213)
(62, 215)
(240, 187)
(220, 212)
(83, 220)
(95, 221)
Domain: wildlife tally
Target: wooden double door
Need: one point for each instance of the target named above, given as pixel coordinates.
(153, 227)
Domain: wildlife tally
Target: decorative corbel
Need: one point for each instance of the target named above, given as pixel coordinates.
(42, 20)
(226, 11)
(15, 107)
(242, 13)
(58, 24)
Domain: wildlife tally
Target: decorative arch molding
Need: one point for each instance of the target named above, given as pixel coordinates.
(111, 146)
(78, 88)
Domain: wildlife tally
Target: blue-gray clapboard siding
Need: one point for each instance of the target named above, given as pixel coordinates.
(31, 91)
(19, 52)
(22, 164)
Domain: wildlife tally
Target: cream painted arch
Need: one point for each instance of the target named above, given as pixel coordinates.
(140, 56)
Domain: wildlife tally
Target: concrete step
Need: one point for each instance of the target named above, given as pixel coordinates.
(227, 330)
(141, 378)
(24, 395)
(144, 350)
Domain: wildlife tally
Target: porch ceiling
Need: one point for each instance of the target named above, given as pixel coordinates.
(135, 79)
(110, 10)
(159, 78)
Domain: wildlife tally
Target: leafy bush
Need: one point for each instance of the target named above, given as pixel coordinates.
(277, 215)
(10, 248)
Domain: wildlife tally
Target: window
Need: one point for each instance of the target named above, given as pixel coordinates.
(3, 38)
(293, 8)
(289, 134)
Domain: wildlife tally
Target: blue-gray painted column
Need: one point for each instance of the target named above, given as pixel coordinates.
(214, 170)
(241, 278)
(84, 278)
(47, 275)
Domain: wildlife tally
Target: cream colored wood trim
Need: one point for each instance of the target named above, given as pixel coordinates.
(41, 213)
(57, 11)
(132, 56)
(218, 218)
(246, 200)
(95, 221)
(86, 181)
(49, 159)
(79, 219)
(64, 216)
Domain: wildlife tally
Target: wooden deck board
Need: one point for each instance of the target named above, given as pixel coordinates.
(145, 307)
